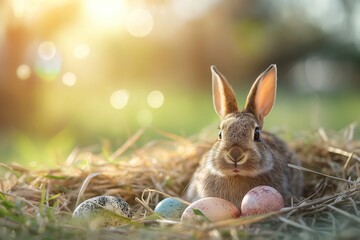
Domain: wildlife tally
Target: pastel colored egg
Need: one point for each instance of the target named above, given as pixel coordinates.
(261, 199)
(170, 208)
(210, 208)
(103, 211)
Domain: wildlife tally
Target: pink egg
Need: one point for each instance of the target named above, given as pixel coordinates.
(261, 199)
(212, 208)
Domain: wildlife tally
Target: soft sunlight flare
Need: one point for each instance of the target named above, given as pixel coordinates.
(119, 99)
(48, 68)
(47, 50)
(81, 51)
(140, 22)
(23, 72)
(105, 13)
(18, 8)
(155, 99)
(69, 79)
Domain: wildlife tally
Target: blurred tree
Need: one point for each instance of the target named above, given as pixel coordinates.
(316, 45)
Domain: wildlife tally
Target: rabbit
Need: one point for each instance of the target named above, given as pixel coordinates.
(244, 155)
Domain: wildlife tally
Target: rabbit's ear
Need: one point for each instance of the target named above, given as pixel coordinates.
(261, 97)
(223, 95)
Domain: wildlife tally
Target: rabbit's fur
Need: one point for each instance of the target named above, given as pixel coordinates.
(244, 156)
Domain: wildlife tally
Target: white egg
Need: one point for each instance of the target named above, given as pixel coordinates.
(211, 208)
(261, 199)
(103, 211)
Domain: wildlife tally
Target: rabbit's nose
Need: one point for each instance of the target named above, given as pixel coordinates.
(235, 154)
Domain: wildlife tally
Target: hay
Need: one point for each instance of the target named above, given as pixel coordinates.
(166, 166)
(331, 200)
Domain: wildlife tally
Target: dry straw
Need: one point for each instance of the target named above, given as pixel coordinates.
(143, 177)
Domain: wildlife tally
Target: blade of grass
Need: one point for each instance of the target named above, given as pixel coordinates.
(54, 196)
(84, 186)
(148, 190)
(127, 144)
(343, 153)
(144, 205)
(346, 214)
(236, 222)
(296, 224)
(319, 173)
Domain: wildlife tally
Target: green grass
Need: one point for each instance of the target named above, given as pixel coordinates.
(48, 224)
(340, 220)
(185, 112)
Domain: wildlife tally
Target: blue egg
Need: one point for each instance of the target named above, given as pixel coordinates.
(170, 208)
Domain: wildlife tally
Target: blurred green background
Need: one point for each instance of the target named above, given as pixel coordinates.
(78, 73)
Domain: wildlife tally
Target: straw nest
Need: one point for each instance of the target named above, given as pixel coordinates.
(330, 208)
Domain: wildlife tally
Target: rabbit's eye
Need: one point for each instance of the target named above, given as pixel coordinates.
(257, 135)
(220, 135)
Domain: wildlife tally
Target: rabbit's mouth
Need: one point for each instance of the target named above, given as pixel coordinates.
(236, 168)
(244, 167)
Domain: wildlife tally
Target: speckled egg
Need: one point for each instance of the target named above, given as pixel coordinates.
(103, 211)
(261, 199)
(212, 208)
(170, 208)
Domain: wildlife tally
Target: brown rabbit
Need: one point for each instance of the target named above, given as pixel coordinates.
(245, 156)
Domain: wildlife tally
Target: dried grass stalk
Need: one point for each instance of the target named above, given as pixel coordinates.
(163, 169)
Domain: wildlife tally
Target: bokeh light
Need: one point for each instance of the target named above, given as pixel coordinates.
(69, 79)
(47, 50)
(23, 72)
(151, 59)
(155, 99)
(144, 117)
(81, 51)
(140, 23)
(119, 99)
(48, 70)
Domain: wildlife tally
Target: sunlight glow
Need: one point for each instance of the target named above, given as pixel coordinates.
(140, 23)
(106, 13)
(189, 9)
(18, 8)
(69, 79)
(144, 117)
(23, 72)
(119, 99)
(48, 69)
(155, 99)
(81, 51)
(47, 50)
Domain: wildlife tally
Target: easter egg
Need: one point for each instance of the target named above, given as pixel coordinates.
(103, 211)
(170, 208)
(261, 199)
(210, 208)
